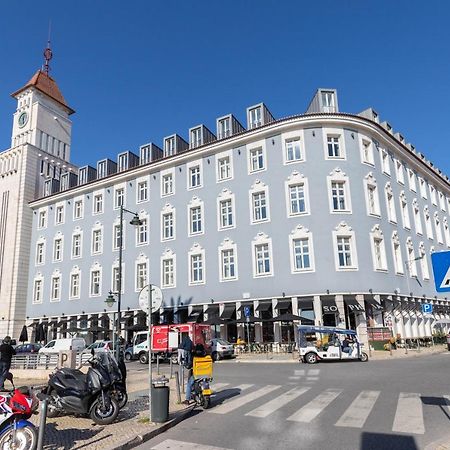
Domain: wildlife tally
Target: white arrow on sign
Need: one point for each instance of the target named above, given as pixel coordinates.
(157, 298)
(446, 280)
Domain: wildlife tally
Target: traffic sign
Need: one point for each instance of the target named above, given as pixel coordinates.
(441, 270)
(157, 298)
(427, 308)
(247, 311)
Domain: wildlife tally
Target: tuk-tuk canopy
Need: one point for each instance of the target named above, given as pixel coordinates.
(327, 330)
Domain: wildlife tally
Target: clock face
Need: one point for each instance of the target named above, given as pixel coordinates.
(23, 119)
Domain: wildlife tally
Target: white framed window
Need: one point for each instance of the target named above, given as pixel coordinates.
(74, 288)
(390, 204)
(333, 141)
(411, 180)
(168, 229)
(297, 198)
(417, 219)
(228, 260)
(142, 190)
(372, 198)
(385, 166)
(339, 192)
(55, 291)
(97, 203)
(224, 166)
(410, 259)
(169, 146)
(433, 195)
(195, 217)
(397, 254)
(366, 147)
(345, 256)
(115, 277)
(255, 117)
(423, 188)
(58, 248)
(197, 265)
(262, 256)
(40, 252)
(378, 249)
(256, 156)
(95, 288)
(77, 244)
(78, 209)
(141, 279)
(42, 218)
(142, 231)
(38, 289)
(194, 172)
(119, 196)
(224, 128)
(301, 250)
(442, 201)
(168, 269)
(59, 214)
(428, 226)
(424, 262)
(404, 211)
(446, 232)
(437, 225)
(97, 240)
(293, 146)
(117, 238)
(225, 210)
(259, 203)
(167, 182)
(399, 171)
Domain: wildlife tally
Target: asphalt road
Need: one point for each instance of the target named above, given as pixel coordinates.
(393, 404)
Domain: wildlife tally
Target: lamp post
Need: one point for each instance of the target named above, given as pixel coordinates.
(110, 300)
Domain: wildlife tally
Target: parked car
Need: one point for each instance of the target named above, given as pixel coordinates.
(56, 345)
(98, 346)
(220, 348)
(27, 349)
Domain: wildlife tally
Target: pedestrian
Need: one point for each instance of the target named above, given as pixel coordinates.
(6, 353)
(185, 350)
(198, 352)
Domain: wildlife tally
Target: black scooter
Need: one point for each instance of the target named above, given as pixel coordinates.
(70, 391)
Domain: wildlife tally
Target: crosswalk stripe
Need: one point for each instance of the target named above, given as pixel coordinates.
(277, 403)
(446, 407)
(313, 372)
(356, 414)
(239, 401)
(172, 444)
(299, 372)
(312, 409)
(217, 386)
(409, 414)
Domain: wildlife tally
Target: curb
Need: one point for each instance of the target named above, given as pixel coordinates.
(441, 444)
(144, 437)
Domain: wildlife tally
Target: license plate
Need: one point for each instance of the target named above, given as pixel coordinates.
(207, 391)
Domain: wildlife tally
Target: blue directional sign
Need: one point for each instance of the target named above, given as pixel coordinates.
(427, 308)
(441, 270)
(247, 311)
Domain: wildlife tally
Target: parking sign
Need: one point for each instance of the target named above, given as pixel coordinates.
(427, 308)
(247, 311)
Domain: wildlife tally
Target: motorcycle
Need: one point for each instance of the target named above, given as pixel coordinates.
(16, 432)
(201, 392)
(70, 391)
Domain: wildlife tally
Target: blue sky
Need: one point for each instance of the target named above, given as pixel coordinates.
(138, 73)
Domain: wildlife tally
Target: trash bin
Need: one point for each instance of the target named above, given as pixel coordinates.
(160, 400)
(448, 342)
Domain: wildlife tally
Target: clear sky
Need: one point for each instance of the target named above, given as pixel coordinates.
(136, 71)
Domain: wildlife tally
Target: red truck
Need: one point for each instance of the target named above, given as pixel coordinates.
(165, 340)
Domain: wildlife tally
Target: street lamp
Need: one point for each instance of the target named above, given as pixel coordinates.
(110, 299)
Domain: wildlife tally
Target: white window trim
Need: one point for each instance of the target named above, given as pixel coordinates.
(433, 196)
(94, 268)
(438, 228)
(44, 210)
(75, 271)
(195, 203)
(116, 223)
(143, 216)
(75, 201)
(344, 230)
(196, 249)
(428, 224)
(58, 236)
(189, 166)
(225, 194)
(365, 139)
(334, 132)
(406, 218)
(168, 208)
(410, 259)
(63, 206)
(219, 156)
(399, 171)
(94, 194)
(262, 238)
(399, 269)
(446, 231)
(441, 198)
(392, 215)
(423, 188)
(376, 233)
(300, 232)
(40, 278)
(386, 171)
(77, 232)
(257, 188)
(417, 218)
(369, 180)
(113, 268)
(97, 227)
(424, 262)
(299, 134)
(411, 180)
(42, 241)
(116, 188)
(254, 146)
(338, 176)
(228, 244)
(55, 275)
(294, 179)
(138, 182)
(142, 259)
(163, 173)
(167, 255)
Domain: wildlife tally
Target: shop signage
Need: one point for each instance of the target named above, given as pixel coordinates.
(329, 309)
(355, 307)
(441, 270)
(379, 333)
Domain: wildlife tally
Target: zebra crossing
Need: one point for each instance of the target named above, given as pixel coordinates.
(241, 399)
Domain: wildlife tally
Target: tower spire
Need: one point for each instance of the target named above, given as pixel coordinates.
(48, 54)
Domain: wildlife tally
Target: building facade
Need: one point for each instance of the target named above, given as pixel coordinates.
(328, 215)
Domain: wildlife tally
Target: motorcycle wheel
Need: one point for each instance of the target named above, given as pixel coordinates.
(102, 415)
(206, 402)
(52, 411)
(122, 397)
(21, 439)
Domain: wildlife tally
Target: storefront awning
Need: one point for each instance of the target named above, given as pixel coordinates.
(245, 305)
(228, 312)
(213, 310)
(283, 304)
(329, 305)
(266, 306)
(195, 313)
(305, 303)
(375, 305)
(353, 305)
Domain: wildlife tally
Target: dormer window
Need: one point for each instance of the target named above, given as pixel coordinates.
(145, 156)
(255, 116)
(123, 162)
(169, 146)
(82, 176)
(224, 128)
(328, 103)
(196, 137)
(101, 169)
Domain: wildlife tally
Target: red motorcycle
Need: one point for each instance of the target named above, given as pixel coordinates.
(16, 432)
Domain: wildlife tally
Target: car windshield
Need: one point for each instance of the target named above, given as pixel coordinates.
(222, 342)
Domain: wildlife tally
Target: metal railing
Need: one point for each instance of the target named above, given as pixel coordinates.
(42, 361)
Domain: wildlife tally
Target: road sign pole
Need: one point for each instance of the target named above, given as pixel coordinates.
(150, 374)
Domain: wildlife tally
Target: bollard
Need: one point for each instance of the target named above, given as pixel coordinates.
(42, 420)
(177, 381)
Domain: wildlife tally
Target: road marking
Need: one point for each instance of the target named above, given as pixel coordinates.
(300, 372)
(294, 378)
(170, 444)
(217, 386)
(356, 414)
(314, 372)
(312, 409)
(446, 407)
(312, 378)
(240, 401)
(277, 403)
(409, 414)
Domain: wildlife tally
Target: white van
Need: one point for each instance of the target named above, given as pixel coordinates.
(55, 346)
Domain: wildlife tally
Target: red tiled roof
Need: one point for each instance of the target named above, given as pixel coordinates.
(47, 85)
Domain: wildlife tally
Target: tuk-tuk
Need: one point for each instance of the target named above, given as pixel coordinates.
(328, 343)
